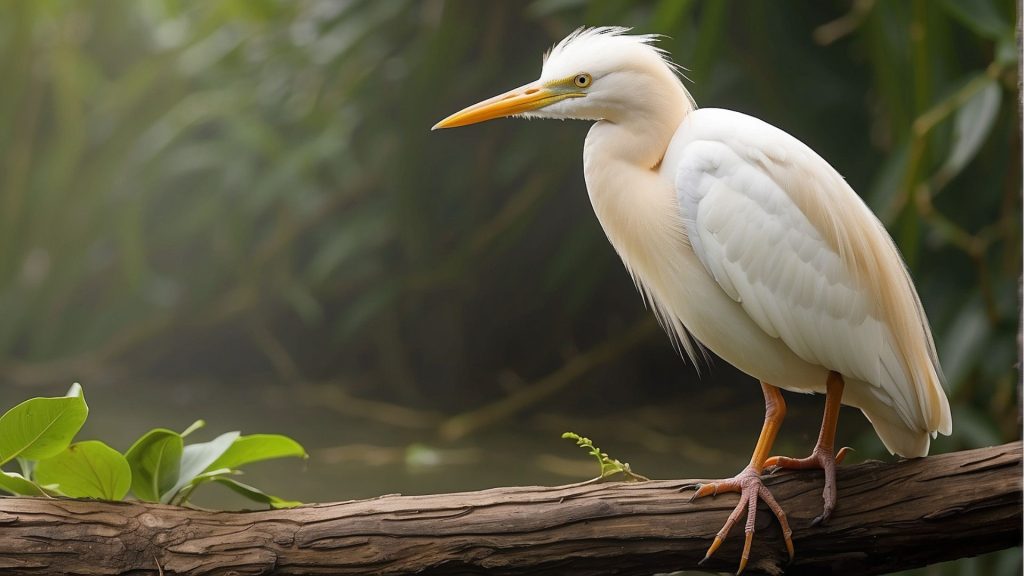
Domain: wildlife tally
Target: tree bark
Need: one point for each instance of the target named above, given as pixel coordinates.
(889, 517)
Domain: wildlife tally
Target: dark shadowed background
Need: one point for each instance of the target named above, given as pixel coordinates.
(235, 210)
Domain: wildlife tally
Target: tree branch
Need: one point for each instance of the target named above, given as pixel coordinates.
(889, 517)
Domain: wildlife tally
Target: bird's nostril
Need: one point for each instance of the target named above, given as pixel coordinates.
(532, 91)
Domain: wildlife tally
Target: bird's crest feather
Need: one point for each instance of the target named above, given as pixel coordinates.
(584, 35)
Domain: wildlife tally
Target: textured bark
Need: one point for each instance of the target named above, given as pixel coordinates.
(890, 516)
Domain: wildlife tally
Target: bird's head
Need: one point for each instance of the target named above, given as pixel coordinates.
(593, 74)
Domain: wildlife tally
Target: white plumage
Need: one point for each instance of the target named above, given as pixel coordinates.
(743, 189)
(743, 240)
(813, 281)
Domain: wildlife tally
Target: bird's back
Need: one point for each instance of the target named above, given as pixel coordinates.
(784, 236)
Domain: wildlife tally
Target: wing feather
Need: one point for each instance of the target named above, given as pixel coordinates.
(784, 235)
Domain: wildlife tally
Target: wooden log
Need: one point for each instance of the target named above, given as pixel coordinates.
(890, 517)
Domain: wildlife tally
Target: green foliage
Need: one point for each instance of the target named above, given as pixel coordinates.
(155, 460)
(608, 466)
(41, 427)
(14, 483)
(255, 448)
(196, 462)
(174, 173)
(158, 467)
(255, 494)
(89, 469)
(169, 168)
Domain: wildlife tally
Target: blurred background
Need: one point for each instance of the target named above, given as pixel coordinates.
(235, 210)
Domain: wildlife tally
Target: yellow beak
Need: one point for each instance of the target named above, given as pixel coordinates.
(523, 99)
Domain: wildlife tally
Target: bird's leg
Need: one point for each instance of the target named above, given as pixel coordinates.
(748, 482)
(823, 455)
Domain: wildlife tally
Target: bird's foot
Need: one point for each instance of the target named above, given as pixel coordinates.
(750, 487)
(821, 458)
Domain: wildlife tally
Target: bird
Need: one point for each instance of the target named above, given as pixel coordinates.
(746, 243)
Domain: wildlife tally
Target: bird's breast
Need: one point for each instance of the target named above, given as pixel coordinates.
(639, 212)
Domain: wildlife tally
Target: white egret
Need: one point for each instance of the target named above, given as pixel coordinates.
(747, 242)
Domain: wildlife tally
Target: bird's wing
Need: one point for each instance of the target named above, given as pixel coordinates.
(786, 237)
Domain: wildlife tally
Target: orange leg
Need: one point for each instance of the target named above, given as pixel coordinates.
(748, 482)
(822, 455)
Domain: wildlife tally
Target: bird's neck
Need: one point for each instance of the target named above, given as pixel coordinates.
(639, 134)
(635, 204)
(626, 150)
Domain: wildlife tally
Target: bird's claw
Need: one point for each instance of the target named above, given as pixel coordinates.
(691, 486)
(701, 489)
(693, 496)
(821, 458)
(750, 487)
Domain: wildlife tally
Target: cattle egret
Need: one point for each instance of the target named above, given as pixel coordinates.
(746, 242)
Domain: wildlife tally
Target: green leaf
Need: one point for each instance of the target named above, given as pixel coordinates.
(212, 474)
(981, 16)
(258, 447)
(14, 483)
(971, 127)
(255, 494)
(196, 459)
(1006, 52)
(155, 460)
(183, 495)
(41, 427)
(89, 469)
(963, 342)
(887, 182)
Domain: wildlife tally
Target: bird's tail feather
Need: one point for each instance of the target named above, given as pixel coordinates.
(897, 438)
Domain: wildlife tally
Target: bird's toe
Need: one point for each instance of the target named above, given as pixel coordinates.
(751, 489)
(821, 458)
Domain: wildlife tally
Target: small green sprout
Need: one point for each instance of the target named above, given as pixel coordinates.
(609, 466)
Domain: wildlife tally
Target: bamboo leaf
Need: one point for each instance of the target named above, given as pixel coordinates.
(971, 127)
(981, 16)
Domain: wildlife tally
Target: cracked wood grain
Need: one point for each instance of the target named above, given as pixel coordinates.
(890, 517)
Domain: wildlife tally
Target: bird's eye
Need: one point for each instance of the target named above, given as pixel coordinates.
(582, 80)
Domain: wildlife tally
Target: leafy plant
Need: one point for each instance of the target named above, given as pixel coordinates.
(608, 466)
(159, 467)
(89, 469)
